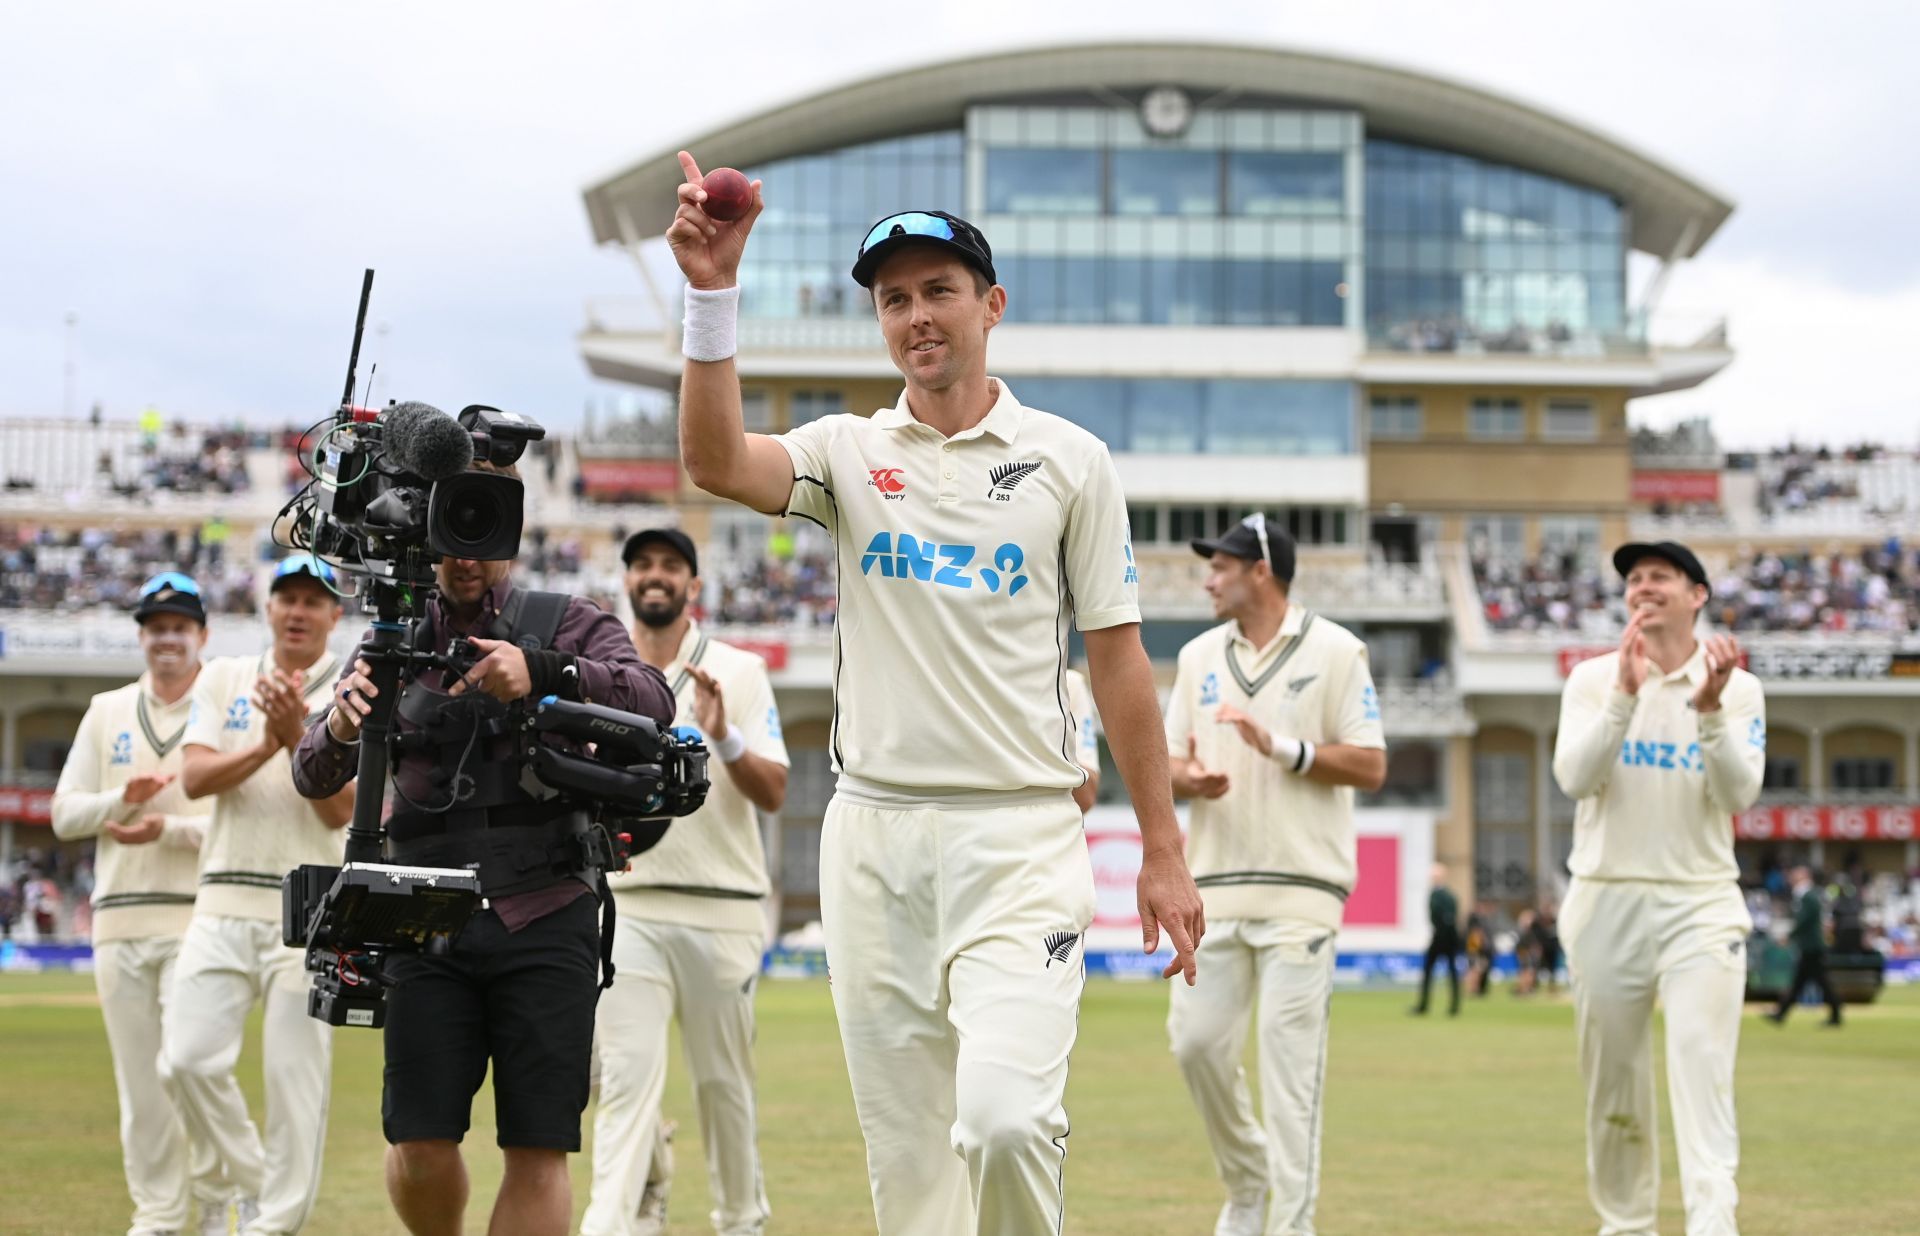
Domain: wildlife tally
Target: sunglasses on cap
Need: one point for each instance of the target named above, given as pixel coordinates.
(304, 564)
(169, 580)
(1258, 522)
(911, 223)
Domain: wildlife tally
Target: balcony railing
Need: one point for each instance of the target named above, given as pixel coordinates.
(1171, 586)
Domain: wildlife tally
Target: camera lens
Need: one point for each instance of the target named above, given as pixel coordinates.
(473, 519)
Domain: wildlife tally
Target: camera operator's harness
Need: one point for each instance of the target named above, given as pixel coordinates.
(547, 813)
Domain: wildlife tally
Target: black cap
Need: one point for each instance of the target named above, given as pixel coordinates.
(1243, 541)
(892, 233)
(1669, 551)
(170, 593)
(681, 543)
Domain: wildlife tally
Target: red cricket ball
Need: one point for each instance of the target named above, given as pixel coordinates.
(729, 194)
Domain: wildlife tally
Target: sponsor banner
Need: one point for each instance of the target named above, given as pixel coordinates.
(26, 806)
(1570, 657)
(70, 640)
(1693, 486)
(1772, 661)
(1827, 823)
(772, 651)
(606, 477)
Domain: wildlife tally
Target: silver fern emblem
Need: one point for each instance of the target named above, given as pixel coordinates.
(1060, 943)
(1006, 476)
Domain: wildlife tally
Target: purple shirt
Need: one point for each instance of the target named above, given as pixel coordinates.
(611, 673)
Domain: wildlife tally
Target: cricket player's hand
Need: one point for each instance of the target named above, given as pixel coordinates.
(708, 249)
(1196, 780)
(278, 695)
(1633, 657)
(709, 705)
(143, 787)
(1723, 657)
(502, 673)
(147, 828)
(1254, 734)
(1169, 900)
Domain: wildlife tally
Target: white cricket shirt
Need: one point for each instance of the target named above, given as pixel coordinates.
(710, 870)
(961, 562)
(262, 828)
(1657, 783)
(1275, 845)
(140, 891)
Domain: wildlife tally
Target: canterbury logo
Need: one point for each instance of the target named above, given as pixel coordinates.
(1006, 476)
(887, 480)
(1060, 944)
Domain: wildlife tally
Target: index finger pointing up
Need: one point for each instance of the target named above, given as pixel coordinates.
(690, 169)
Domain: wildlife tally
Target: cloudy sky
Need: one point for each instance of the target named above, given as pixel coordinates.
(201, 184)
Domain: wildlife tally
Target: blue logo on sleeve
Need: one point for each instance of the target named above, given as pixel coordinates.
(122, 749)
(1757, 733)
(1210, 690)
(1133, 574)
(239, 714)
(1369, 704)
(773, 722)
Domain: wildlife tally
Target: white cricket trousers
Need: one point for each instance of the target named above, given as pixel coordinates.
(954, 955)
(1286, 966)
(1628, 941)
(165, 1168)
(225, 965)
(705, 978)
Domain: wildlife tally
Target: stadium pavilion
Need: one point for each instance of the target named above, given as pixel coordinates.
(1390, 310)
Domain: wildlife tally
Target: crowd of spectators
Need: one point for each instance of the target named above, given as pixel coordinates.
(1553, 591)
(46, 895)
(72, 570)
(1874, 589)
(773, 591)
(182, 460)
(1877, 911)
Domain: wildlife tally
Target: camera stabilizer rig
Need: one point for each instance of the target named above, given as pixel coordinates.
(394, 495)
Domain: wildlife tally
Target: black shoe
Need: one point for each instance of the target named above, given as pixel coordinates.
(1777, 1018)
(1454, 1011)
(1832, 1023)
(1416, 1012)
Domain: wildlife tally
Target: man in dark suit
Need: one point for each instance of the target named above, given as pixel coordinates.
(1809, 936)
(1444, 913)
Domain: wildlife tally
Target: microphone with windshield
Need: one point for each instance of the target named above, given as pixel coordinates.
(421, 439)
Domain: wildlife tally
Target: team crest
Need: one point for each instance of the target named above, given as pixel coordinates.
(1006, 477)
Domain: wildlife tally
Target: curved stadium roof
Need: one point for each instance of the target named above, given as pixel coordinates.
(1671, 213)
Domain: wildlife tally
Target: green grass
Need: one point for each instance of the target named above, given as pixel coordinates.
(1432, 1125)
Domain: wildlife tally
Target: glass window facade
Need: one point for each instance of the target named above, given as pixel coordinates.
(1213, 416)
(1249, 218)
(1395, 416)
(1467, 255)
(1498, 419)
(1570, 420)
(818, 208)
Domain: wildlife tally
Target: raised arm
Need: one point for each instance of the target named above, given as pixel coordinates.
(720, 456)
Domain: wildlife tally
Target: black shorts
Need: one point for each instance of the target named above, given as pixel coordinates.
(522, 999)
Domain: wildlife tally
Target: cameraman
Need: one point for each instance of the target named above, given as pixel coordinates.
(520, 985)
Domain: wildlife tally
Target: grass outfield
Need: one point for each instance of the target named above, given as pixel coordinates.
(1431, 1125)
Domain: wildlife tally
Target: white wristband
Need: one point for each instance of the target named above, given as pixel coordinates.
(709, 328)
(732, 747)
(1295, 754)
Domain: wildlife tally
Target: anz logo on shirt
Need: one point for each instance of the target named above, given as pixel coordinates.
(905, 557)
(1133, 571)
(122, 749)
(1370, 703)
(1669, 756)
(773, 722)
(1210, 690)
(1757, 733)
(239, 714)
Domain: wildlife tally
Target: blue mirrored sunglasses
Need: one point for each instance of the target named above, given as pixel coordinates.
(170, 579)
(303, 564)
(912, 223)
